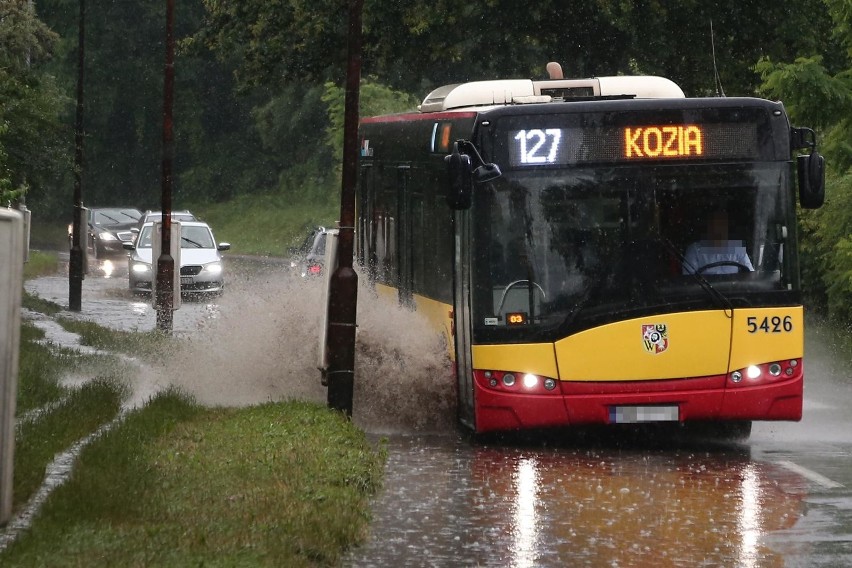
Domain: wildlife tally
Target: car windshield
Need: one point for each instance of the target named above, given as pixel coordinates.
(196, 237)
(115, 216)
(192, 237)
(153, 217)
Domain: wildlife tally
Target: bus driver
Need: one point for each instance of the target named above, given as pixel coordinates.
(716, 254)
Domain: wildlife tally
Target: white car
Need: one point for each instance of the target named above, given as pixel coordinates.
(201, 268)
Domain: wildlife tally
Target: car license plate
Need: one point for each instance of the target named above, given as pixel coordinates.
(636, 414)
(184, 280)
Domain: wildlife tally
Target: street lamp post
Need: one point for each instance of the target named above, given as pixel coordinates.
(343, 291)
(75, 266)
(166, 262)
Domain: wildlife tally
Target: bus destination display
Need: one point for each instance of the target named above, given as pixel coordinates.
(574, 145)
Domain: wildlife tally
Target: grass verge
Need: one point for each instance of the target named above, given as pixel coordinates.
(71, 418)
(176, 485)
(143, 344)
(65, 414)
(39, 371)
(41, 263)
(265, 224)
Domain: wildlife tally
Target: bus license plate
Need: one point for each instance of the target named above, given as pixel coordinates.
(635, 414)
(184, 280)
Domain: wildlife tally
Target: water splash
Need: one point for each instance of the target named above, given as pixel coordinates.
(263, 346)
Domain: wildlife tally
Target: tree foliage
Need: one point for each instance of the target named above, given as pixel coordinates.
(29, 102)
(817, 90)
(415, 46)
(375, 99)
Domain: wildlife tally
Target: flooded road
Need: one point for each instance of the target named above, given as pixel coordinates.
(784, 498)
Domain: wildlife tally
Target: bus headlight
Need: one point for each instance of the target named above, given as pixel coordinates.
(515, 383)
(530, 381)
(765, 373)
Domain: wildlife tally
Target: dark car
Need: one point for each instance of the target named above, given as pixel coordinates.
(308, 258)
(109, 228)
(157, 216)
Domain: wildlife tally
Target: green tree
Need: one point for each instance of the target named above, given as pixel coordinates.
(375, 99)
(415, 46)
(817, 90)
(30, 147)
(218, 153)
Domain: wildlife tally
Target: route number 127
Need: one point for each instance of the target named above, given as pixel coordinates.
(537, 146)
(775, 324)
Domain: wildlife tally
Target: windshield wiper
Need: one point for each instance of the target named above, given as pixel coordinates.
(194, 243)
(720, 299)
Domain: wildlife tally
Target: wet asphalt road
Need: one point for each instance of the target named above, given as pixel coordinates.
(784, 498)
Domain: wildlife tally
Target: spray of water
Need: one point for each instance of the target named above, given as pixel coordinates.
(262, 345)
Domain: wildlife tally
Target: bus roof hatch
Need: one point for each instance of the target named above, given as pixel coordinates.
(525, 91)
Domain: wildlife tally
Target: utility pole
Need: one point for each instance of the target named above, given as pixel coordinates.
(75, 267)
(343, 291)
(164, 302)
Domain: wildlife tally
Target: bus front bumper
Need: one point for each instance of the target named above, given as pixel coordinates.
(588, 403)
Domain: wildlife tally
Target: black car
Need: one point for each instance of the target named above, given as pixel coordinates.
(109, 228)
(309, 257)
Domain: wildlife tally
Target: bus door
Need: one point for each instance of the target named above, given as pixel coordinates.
(461, 312)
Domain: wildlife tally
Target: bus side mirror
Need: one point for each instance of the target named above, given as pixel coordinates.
(811, 170)
(460, 187)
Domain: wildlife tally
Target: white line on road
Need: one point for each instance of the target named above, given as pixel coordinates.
(810, 475)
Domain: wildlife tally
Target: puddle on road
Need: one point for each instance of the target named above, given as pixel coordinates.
(448, 504)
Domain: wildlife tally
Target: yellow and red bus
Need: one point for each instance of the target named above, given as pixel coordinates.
(545, 226)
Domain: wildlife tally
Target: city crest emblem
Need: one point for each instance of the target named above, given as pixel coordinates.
(655, 337)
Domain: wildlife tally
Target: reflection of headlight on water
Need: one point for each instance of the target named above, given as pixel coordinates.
(139, 308)
(108, 268)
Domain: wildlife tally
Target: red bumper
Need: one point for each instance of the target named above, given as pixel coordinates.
(574, 403)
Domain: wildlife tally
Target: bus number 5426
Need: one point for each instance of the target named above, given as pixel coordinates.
(775, 324)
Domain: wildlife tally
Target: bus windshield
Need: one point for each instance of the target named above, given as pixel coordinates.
(560, 250)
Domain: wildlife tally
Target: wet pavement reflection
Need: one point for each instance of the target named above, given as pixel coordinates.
(449, 502)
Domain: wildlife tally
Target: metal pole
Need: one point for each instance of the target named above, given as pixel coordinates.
(166, 263)
(343, 293)
(75, 266)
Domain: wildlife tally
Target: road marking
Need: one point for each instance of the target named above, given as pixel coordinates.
(810, 475)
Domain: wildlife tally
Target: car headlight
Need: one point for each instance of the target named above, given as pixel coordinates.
(213, 268)
(140, 267)
(107, 236)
